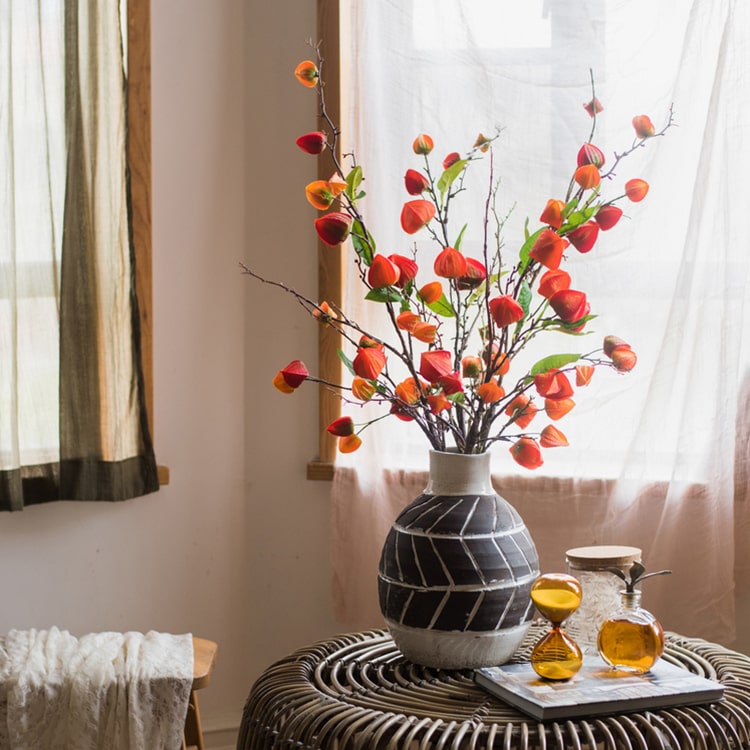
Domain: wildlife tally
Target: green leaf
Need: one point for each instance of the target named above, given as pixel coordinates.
(570, 328)
(442, 307)
(460, 237)
(523, 253)
(364, 249)
(524, 298)
(353, 180)
(449, 176)
(405, 303)
(569, 208)
(347, 362)
(384, 294)
(457, 398)
(554, 362)
(579, 217)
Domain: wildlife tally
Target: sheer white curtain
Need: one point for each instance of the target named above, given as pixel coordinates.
(656, 457)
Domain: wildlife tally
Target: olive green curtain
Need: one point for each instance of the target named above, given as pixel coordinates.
(73, 424)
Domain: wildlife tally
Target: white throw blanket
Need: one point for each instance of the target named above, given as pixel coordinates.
(103, 691)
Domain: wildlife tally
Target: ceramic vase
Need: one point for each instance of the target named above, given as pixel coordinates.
(456, 570)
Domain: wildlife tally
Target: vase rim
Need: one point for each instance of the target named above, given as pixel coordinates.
(455, 452)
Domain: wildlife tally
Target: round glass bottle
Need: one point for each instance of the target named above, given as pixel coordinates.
(601, 589)
(631, 639)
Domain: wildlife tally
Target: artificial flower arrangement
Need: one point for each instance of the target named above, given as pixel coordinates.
(448, 362)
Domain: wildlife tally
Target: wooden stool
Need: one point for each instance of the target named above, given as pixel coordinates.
(204, 657)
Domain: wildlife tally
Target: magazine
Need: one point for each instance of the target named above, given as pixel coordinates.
(596, 689)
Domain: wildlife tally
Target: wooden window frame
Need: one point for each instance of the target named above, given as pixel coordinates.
(139, 158)
(330, 264)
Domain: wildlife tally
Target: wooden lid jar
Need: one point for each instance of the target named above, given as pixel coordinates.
(601, 589)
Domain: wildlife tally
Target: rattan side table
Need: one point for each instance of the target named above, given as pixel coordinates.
(356, 692)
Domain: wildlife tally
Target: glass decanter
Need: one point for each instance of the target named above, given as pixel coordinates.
(631, 639)
(556, 656)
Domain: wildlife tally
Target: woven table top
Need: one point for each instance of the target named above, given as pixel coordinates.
(357, 692)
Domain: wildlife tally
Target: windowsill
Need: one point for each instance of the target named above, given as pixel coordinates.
(162, 472)
(321, 471)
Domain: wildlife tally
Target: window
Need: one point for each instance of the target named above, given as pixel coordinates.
(528, 64)
(68, 254)
(658, 458)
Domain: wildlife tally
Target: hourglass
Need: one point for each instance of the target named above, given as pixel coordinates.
(556, 656)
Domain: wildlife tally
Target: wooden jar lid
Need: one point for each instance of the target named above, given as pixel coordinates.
(602, 556)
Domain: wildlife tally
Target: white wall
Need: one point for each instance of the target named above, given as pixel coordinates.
(235, 548)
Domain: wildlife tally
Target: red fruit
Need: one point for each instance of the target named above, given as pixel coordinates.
(526, 452)
(614, 342)
(548, 248)
(636, 189)
(450, 264)
(415, 214)
(505, 310)
(594, 107)
(382, 272)
(553, 384)
(422, 144)
(312, 143)
(341, 427)
(471, 367)
(552, 214)
(490, 392)
(451, 383)
(451, 159)
(587, 176)
(319, 194)
(307, 73)
(623, 359)
(435, 364)
(558, 408)
(333, 228)
(295, 373)
(644, 128)
(475, 274)
(551, 437)
(407, 267)
(607, 216)
(584, 373)
(522, 410)
(569, 305)
(369, 362)
(416, 183)
(584, 236)
(431, 292)
(349, 443)
(590, 154)
(553, 281)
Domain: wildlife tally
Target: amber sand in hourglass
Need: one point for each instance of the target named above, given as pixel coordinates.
(556, 656)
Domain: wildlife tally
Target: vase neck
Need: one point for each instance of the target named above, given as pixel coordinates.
(459, 473)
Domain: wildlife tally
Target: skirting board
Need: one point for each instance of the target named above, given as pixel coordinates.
(220, 732)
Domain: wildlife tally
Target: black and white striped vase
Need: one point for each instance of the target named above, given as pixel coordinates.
(456, 570)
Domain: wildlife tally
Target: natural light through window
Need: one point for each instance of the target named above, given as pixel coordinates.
(483, 24)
